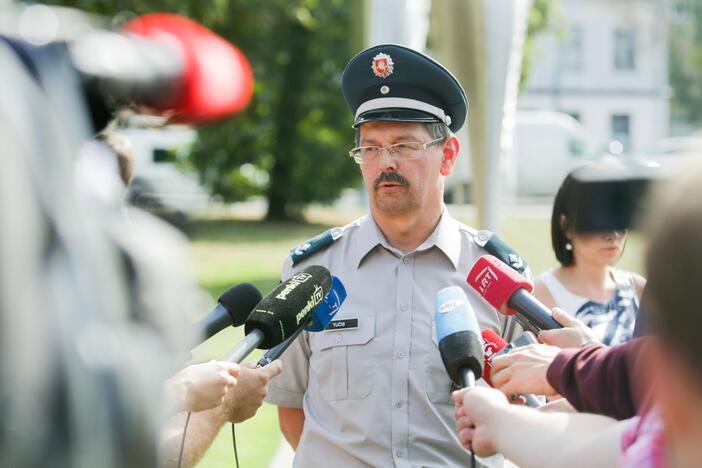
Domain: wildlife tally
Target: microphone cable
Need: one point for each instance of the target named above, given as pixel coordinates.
(182, 440)
(236, 455)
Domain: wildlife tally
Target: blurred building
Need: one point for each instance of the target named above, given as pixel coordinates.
(607, 67)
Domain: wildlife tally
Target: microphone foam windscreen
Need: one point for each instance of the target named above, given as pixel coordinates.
(240, 301)
(496, 282)
(492, 344)
(325, 312)
(217, 78)
(290, 305)
(457, 333)
(453, 313)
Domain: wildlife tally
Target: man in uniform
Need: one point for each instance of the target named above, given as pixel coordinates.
(371, 390)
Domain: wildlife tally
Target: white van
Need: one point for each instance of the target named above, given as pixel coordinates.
(160, 183)
(546, 146)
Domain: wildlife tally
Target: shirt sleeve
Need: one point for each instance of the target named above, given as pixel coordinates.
(288, 389)
(599, 379)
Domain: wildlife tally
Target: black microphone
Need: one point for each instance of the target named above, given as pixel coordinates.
(458, 335)
(233, 307)
(321, 316)
(283, 311)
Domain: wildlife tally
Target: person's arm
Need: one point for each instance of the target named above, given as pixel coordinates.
(488, 424)
(291, 421)
(240, 403)
(203, 427)
(560, 405)
(599, 379)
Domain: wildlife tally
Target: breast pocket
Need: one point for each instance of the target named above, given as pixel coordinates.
(342, 361)
(438, 382)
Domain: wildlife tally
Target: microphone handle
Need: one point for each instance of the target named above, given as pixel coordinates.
(531, 401)
(245, 346)
(276, 351)
(467, 377)
(533, 310)
(212, 323)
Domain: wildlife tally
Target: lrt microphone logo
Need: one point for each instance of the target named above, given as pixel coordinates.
(489, 348)
(293, 283)
(485, 279)
(316, 298)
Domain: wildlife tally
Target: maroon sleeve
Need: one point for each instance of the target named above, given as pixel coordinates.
(599, 379)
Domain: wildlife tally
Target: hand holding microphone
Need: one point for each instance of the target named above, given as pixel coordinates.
(524, 370)
(477, 410)
(200, 387)
(495, 346)
(574, 333)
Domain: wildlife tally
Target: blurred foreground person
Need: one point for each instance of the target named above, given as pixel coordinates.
(586, 284)
(668, 430)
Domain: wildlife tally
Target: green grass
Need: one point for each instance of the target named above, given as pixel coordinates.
(226, 252)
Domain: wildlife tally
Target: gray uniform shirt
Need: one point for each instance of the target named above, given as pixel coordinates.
(377, 394)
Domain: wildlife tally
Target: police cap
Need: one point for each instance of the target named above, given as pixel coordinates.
(390, 82)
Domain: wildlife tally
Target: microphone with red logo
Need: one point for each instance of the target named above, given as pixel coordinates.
(509, 292)
(493, 346)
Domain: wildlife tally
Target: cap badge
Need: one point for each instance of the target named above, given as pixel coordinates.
(382, 65)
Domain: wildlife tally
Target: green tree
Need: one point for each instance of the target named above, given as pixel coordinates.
(685, 55)
(539, 20)
(290, 143)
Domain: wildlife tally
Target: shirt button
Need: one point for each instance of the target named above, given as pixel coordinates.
(406, 260)
(403, 307)
(398, 404)
(401, 355)
(338, 338)
(399, 452)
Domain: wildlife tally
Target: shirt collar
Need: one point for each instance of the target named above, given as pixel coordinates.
(446, 237)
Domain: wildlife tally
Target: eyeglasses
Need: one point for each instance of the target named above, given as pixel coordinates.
(403, 151)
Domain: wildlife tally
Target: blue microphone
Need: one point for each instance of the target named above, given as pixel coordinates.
(458, 335)
(321, 316)
(328, 308)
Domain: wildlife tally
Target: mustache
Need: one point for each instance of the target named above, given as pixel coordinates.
(390, 177)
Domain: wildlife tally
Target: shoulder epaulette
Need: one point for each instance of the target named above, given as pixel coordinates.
(316, 244)
(497, 247)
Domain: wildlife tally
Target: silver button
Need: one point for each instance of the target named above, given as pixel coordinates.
(401, 354)
(406, 260)
(339, 338)
(403, 307)
(398, 404)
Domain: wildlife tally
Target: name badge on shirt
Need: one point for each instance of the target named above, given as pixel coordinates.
(343, 324)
